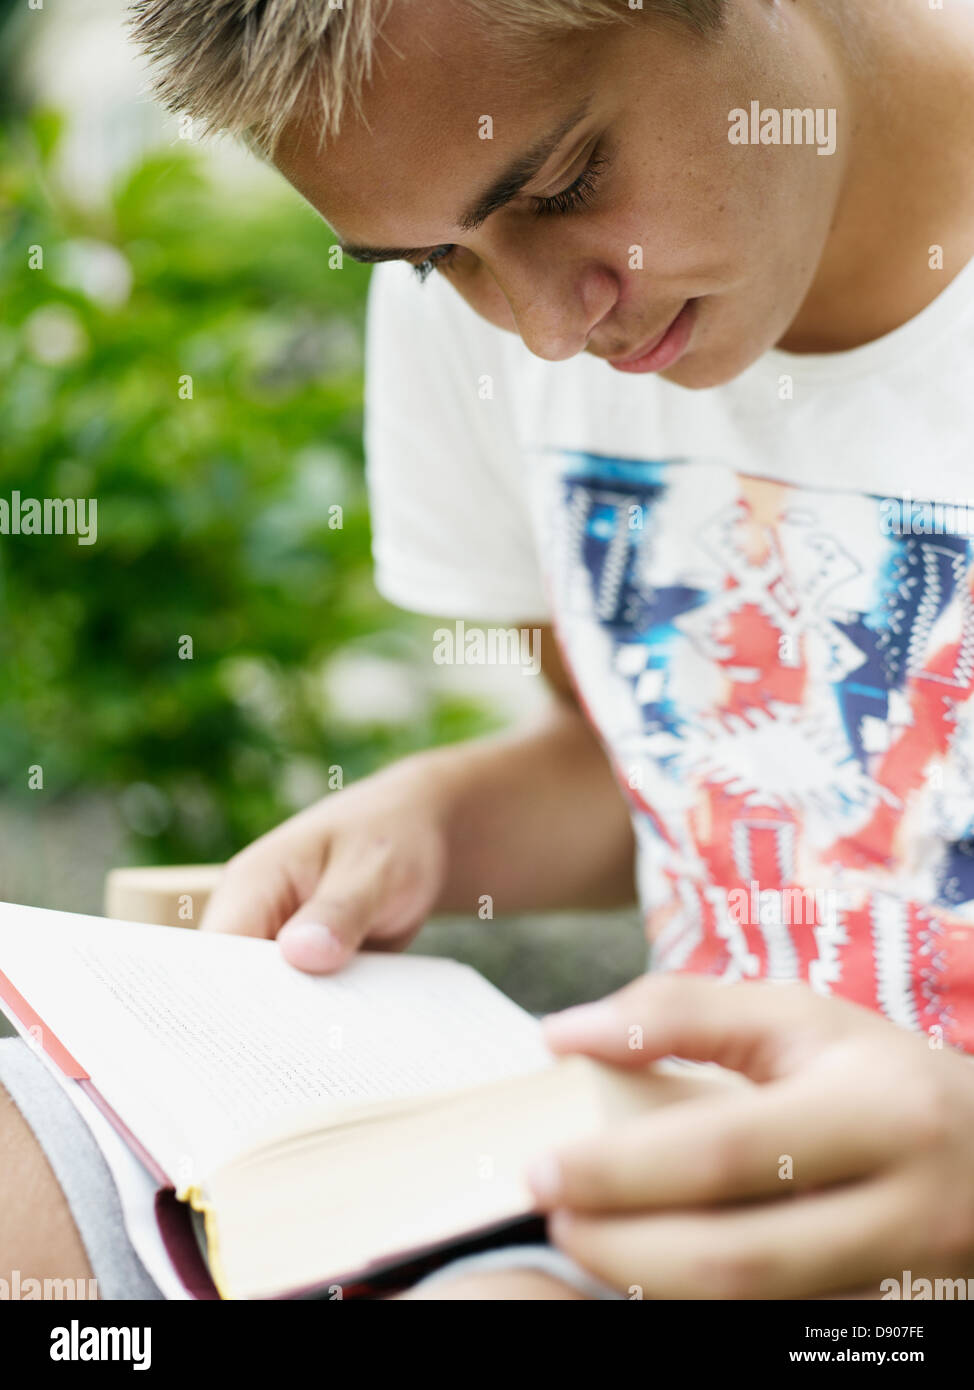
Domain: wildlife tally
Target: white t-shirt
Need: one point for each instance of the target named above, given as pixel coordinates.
(766, 618)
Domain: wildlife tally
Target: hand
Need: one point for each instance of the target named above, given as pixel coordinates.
(360, 868)
(849, 1163)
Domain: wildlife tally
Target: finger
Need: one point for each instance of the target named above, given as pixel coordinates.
(814, 1245)
(253, 896)
(761, 1141)
(756, 1027)
(349, 902)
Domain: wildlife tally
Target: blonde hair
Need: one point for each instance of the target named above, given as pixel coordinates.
(249, 66)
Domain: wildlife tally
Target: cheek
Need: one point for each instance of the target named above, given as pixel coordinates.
(733, 215)
(474, 283)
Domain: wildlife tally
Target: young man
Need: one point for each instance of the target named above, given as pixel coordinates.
(701, 330)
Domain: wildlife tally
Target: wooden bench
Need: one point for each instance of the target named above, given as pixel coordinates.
(174, 896)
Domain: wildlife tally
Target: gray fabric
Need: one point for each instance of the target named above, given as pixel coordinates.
(81, 1171)
(544, 1258)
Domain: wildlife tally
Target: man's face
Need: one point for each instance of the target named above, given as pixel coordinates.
(682, 237)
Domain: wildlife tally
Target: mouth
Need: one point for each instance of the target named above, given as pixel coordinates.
(663, 350)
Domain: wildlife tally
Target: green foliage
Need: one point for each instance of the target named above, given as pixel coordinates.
(213, 512)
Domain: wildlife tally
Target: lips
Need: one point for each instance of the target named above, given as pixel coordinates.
(665, 349)
(647, 347)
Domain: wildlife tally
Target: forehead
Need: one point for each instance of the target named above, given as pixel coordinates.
(416, 151)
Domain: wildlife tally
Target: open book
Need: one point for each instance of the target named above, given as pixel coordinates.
(336, 1135)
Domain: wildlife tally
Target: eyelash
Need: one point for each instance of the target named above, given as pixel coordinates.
(577, 195)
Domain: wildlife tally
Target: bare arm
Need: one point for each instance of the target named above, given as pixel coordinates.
(534, 818)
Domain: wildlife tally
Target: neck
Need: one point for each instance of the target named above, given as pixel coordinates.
(907, 117)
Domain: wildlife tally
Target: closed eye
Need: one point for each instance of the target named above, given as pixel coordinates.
(577, 195)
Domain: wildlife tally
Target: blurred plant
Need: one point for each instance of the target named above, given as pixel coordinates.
(13, 21)
(216, 514)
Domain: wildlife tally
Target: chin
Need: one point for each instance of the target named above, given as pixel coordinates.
(726, 341)
(704, 367)
(704, 372)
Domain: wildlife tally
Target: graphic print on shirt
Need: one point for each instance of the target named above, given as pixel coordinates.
(785, 690)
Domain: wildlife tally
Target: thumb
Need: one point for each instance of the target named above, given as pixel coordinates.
(326, 931)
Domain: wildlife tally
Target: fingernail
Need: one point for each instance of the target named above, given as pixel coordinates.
(544, 1179)
(311, 946)
(580, 1024)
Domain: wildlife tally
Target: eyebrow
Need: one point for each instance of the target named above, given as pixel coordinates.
(503, 189)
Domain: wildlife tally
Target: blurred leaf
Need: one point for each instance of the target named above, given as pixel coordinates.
(213, 512)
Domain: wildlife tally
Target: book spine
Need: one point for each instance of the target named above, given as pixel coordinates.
(38, 1032)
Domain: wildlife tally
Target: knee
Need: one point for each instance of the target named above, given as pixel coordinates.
(38, 1238)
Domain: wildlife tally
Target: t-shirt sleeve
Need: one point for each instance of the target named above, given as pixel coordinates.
(449, 499)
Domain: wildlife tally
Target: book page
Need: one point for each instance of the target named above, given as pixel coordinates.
(415, 1178)
(199, 1041)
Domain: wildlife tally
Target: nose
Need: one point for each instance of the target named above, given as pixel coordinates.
(556, 295)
